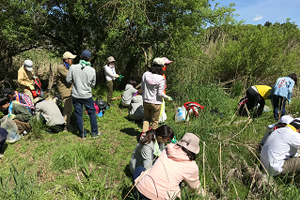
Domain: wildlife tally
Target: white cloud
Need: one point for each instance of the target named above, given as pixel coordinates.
(257, 18)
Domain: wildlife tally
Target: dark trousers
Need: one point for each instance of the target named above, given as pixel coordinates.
(3, 136)
(89, 106)
(137, 172)
(278, 102)
(253, 99)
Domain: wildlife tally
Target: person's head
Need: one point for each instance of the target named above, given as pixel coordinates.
(162, 134)
(111, 61)
(285, 120)
(167, 62)
(157, 67)
(132, 82)
(28, 65)
(190, 145)
(296, 123)
(4, 103)
(86, 55)
(68, 57)
(294, 77)
(9, 93)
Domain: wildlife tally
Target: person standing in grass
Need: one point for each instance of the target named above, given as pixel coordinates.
(151, 145)
(175, 164)
(110, 75)
(279, 153)
(64, 88)
(26, 78)
(282, 91)
(153, 85)
(83, 77)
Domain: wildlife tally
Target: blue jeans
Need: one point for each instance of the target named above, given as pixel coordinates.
(89, 106)
(278, 102)
(137, 172)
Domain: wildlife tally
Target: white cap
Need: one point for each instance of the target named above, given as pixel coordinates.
(286, 119)
(159, 61)
(68, 54)
(28, 65)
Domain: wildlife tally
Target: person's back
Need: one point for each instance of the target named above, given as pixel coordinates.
(136, 111)
(51, 113)
(163, 179)
(83, 77)
(128, 94)
(281, 145)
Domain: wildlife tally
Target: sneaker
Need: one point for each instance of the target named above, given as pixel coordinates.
(96, 134)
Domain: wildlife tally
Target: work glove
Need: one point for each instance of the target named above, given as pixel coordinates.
(169, 98)
(174, 140)
(12, 116)
(120, 78)
(31, 87)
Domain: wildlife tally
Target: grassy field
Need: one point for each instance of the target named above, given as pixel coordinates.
(64, 166)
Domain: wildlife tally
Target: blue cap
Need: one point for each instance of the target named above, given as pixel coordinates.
(86, 54)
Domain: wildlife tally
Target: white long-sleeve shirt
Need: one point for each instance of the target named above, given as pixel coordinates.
(110, 73)
(281, 145)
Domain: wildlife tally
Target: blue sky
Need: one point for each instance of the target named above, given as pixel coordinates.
(260, 11)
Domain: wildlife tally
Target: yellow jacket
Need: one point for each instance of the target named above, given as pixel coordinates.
(25, 78)
(263, 90)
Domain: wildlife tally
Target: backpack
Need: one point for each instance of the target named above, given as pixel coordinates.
(38, 92)
(100, 106)
(193, 107)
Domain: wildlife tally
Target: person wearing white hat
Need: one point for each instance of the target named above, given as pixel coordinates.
(26, 78)
(153, 85)
(64, 88)
(175, 164)
(283, 121)
(279, 153)
(110, 75)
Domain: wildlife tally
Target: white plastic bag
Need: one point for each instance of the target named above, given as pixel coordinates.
(181, 114)
(11, 127)
(162, 115)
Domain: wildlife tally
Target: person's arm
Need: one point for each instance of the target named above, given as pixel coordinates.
(290, 91)
(69, 77)
(93, 81)
(109, 72)
(193, 181)
(147, 154)
(161, 88)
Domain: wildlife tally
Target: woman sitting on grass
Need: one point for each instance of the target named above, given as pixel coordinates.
(174, 165)
(151, 145)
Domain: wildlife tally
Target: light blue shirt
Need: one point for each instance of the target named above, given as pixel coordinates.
(284, 87)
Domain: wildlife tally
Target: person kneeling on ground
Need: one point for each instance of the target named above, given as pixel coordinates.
(22, 98)
(151, 145)
(51, 114)
(136, 109)
(279, 153)
(18, 113)
(128, 93)
(174, 165)
(283, 121)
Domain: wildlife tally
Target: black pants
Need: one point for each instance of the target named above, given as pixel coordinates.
(253, 99)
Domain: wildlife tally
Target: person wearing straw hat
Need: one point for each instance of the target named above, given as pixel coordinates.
(64, 88)
(26, 78)
(279, 153)
(174, 165)
(110, 75)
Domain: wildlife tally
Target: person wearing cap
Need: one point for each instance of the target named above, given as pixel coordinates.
(110, 75)
(26, 78)
(153, 85)
(283, 121)
(83, 77)
(65, 88)
(22, 98)
(279, 153)
(174, 165)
